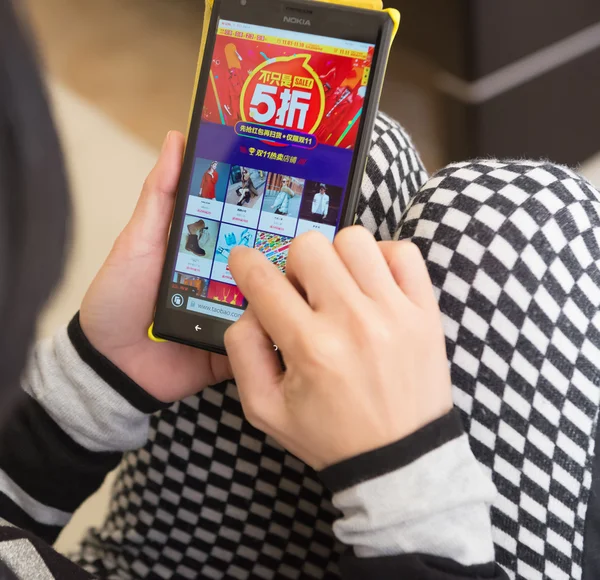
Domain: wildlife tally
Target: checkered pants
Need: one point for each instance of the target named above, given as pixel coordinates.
(513, 249)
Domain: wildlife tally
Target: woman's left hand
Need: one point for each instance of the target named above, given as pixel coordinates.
(117, 325)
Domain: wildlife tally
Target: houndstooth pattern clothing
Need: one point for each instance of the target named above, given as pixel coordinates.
(394, 173)
(513, 253)
(513, 250)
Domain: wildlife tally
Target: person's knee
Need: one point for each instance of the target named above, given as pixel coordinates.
(484, 225)
(476, 205)
(393, 175)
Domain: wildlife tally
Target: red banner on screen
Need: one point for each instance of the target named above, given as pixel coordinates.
(283, 85)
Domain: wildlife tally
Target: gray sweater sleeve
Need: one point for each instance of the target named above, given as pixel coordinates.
(423, 501)
(77, 415)
(79, 401)
(437, 505)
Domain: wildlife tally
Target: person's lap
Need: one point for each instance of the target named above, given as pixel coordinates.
(512, 254)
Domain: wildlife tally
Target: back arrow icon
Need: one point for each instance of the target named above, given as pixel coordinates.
(198, 328)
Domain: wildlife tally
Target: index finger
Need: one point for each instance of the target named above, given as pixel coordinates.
(280, 309)
(410, 272)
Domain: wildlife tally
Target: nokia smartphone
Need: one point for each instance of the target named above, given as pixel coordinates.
(279, 136)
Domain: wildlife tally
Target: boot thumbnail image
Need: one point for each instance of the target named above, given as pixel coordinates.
(199, 237)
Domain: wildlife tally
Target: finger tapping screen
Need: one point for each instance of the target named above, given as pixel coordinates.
(272, 156)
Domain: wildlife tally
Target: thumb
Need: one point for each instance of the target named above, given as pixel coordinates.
(151, 219)
(257, 372)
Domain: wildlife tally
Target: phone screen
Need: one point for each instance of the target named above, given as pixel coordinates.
(272, 155)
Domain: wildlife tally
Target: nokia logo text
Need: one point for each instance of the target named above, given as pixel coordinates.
(294, 20)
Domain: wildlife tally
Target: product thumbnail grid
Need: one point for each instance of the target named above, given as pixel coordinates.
(233, 205)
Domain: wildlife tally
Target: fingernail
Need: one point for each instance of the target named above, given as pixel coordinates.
(166, 141)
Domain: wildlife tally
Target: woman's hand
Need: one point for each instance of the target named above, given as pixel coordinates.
(119, 305)
(360, 332)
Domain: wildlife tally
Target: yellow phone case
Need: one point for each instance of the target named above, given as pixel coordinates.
(366, 4)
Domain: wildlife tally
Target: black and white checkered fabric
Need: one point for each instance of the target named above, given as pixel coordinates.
(513, 250)
(514, 253)
(210, 496)
(393, 175)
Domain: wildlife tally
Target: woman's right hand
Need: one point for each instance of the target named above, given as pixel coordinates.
(362, 340)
